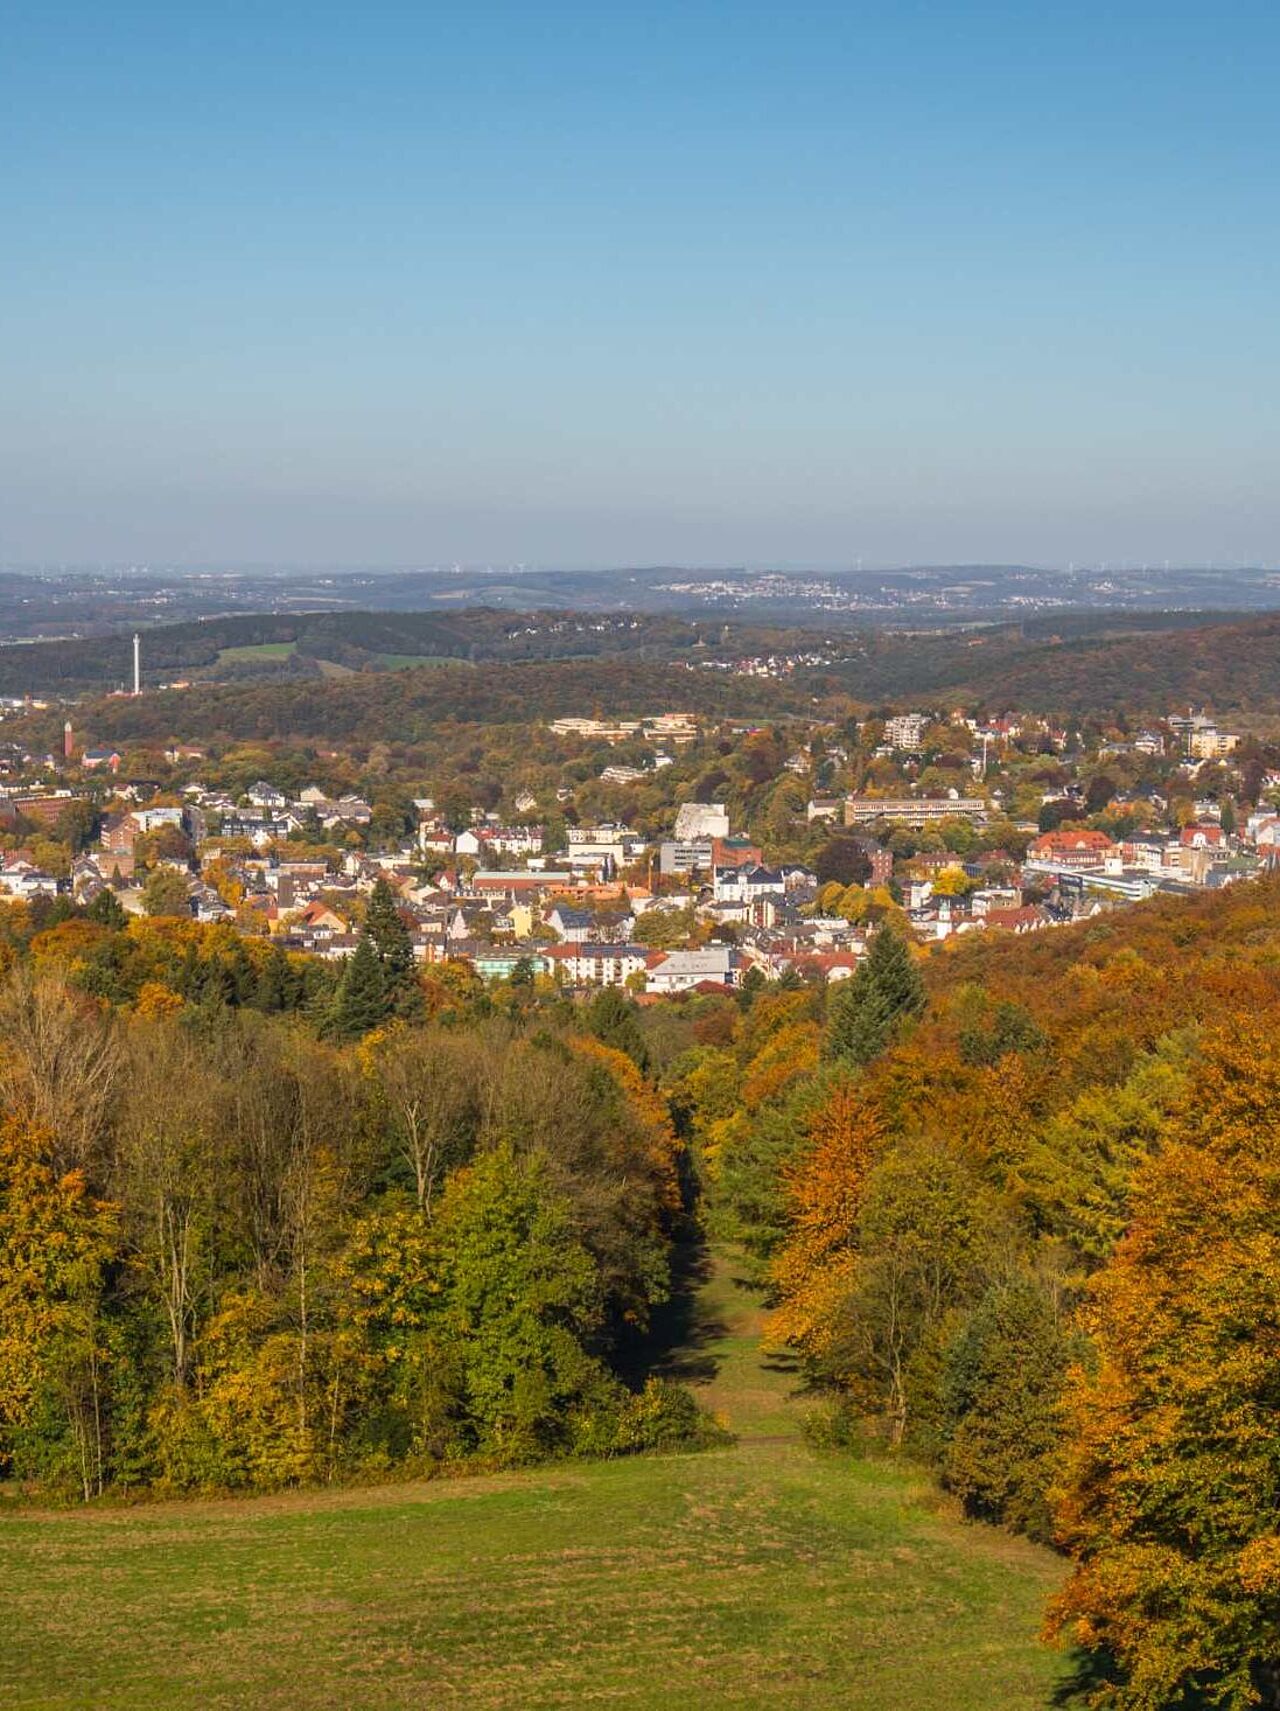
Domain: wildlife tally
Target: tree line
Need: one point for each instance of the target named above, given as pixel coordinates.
(1018, 1209)
(239, 1251)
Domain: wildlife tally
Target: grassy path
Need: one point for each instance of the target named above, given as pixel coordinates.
(758, 1576)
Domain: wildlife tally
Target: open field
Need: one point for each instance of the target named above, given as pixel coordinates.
(256, 651)
(762, 1575)
(411, 662)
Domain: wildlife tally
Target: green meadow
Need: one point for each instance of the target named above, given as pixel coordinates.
(761, 1575)
(256, 651)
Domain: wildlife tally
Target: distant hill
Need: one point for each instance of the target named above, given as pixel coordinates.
(1059, 666)
(411, 706)
(1070, 663)
(299, 645)
(1227, 666)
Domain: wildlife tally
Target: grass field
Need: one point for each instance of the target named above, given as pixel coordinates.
(256, 651)
(407, 662)
(761, 1575)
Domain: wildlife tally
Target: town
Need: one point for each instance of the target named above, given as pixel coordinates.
(663, 854)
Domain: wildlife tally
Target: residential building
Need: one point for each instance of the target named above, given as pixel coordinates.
(681, 971)
(906, 732)
(597, 964)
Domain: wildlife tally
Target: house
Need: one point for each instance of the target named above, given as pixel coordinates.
(735, 852)
(911, 810)
(880, 859)
(831, 966)
(575, 926)
(116, 864)
(1147, 854)
(494, 962)
(1026, 919)
(1203, 837)
(435, 838)
(747, 885)
(21, 879)
(318, 916)
(152, 819)
(207, 905)
(519, 883)
(118, 834)
(681, 971)
(590, 845)
(681, 855)
(514, 840)
(906, 732)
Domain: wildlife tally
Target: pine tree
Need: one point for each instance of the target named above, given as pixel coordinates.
(865, 1011)
(107, 911)
(388, 932)
(612, 1020)
(361, 1001)
(393, 947)
(277, 985)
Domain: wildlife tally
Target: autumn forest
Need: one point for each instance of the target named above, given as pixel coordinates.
(1015, 1208)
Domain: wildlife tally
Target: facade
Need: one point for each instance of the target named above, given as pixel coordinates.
(681, 971)
(906, 732)
(683, 855)
(596, 965)
(912, 811)
(1068, 847)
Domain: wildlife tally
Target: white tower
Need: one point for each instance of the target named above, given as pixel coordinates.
(137, 665)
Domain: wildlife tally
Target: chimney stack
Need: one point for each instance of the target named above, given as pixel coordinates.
(137, 665)
(68, 741)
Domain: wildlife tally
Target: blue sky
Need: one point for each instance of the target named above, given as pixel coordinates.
(669, 283)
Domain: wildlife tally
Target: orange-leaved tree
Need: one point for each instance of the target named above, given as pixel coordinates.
(814, 1269)
(1170, 1502)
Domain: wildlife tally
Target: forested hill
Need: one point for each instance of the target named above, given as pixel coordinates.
(307, 644)
(1224, 666)
(1066, 664)
(409, 706)
(1074, 664)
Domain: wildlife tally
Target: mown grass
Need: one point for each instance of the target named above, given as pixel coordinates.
(256, 651)
(762, 1575)
(411, 662)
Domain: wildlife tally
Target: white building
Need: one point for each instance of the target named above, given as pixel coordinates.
(747, 885)
(598, 843)
(906, 731)
(698, 820)
(680, 971)
(597, 965)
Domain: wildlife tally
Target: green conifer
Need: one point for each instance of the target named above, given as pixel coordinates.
(361, 1001)
(865, 1011)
